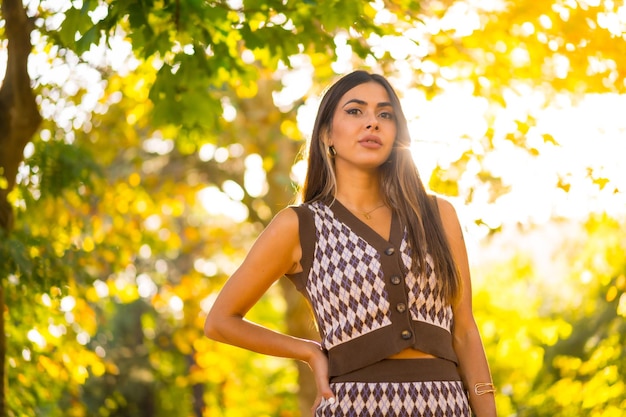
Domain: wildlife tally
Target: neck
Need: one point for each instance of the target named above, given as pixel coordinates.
(362, 199)
(359, 190)
(360, 203)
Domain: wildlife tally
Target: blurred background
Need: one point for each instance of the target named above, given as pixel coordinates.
(145, 143)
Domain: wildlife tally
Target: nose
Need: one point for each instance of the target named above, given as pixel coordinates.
(372, 124)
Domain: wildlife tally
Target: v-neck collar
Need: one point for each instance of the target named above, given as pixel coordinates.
(364, 229)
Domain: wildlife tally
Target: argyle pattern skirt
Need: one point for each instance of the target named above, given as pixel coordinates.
(399, 388)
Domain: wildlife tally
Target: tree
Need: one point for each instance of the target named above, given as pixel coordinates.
(19, 120)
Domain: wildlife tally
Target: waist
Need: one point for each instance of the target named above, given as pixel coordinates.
(403, 370)
(411, 353)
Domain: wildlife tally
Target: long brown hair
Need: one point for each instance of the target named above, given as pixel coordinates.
(401, 184)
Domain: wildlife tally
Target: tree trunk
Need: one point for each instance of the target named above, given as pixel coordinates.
(299, 319)
(19, 120)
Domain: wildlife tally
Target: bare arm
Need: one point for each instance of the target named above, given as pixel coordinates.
(276, 252)
(468, 345)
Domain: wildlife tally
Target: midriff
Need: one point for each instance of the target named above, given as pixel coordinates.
(411, 353)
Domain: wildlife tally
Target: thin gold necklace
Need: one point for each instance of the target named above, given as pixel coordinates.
(368, 214)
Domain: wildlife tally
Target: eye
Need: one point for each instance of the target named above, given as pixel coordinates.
(386, 115)
(353, 111)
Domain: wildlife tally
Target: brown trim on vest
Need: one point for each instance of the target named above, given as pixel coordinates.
(364, 230)
(382, 343)
(403, 370)
(306, 227)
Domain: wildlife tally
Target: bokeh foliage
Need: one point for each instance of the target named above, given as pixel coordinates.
(125, 201)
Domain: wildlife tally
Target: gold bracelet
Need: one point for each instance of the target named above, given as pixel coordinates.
(482, 388)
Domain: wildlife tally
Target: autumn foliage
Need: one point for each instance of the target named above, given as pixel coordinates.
(171, 134)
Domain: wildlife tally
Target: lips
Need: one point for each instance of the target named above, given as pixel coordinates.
(371, 140)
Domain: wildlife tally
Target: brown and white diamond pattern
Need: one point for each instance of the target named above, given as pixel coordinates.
(345, 285)
(426, 302)
(407, 399)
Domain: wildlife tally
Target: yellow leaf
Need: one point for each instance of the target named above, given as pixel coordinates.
(611, 294)
(51, 367)
(88, 244)
(98, 368)
(247, 90)
(182, 343)
(290, 129)
(128, 294)
(92, 295)
(79, 374)
(134, 179)
(181, 381)
(112, 368)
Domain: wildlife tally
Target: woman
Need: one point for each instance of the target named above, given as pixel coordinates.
(382, 264)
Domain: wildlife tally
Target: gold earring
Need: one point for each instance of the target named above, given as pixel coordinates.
(332, 151)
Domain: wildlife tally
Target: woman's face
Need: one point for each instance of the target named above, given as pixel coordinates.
(364, 128)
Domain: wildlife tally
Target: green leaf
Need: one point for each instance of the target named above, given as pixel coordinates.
(91, 37)
(76, 24)
(63, 166)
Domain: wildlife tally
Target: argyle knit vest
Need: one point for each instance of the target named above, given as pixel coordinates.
(367, 301)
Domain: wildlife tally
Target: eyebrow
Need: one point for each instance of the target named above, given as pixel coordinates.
(363, 103)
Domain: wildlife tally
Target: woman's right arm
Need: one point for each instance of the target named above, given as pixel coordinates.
(275, 253)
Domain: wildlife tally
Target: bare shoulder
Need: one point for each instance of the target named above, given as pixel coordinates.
(286, 218)
(454, 233)
(446, 211)
(281, 236)
(284, 225)
(449, 219)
